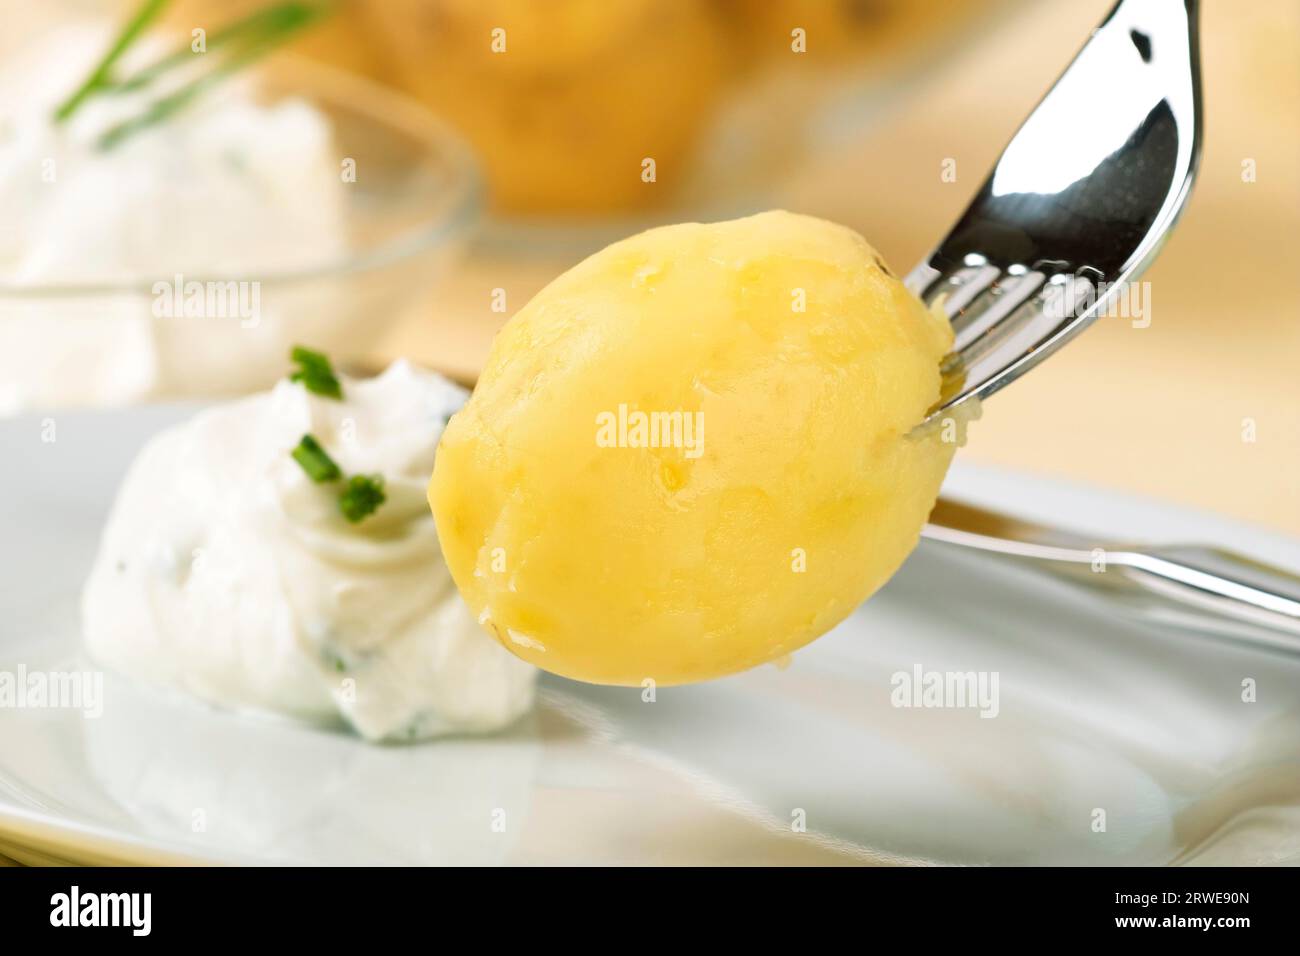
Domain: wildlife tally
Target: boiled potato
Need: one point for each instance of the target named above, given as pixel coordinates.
(563, 105)
(839, 30)
(564, 100)
(788, 487)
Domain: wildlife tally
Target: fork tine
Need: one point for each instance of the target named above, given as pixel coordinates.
(1041, 319)
(961, 286)
(990, 309)
(1035, 314)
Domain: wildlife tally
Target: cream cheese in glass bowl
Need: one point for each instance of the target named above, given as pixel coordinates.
(294, 203)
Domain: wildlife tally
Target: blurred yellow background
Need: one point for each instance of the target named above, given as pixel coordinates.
(1158, 410)
(1163, 410)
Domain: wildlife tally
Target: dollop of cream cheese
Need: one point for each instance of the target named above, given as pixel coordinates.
(225, 571)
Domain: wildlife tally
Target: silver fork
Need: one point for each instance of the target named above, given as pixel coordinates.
(1079, 203)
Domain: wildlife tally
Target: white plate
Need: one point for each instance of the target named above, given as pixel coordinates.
(1097, 712)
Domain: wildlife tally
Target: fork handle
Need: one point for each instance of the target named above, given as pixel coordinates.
(1209, 588)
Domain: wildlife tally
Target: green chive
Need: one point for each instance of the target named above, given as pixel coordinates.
(267, 29)
(268, 25)
(315, 372)
(246, 40)
(362, 495)
(99, 76)
(318, 465)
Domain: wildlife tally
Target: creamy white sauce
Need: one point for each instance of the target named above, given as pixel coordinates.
(225, 571)
(227, 187)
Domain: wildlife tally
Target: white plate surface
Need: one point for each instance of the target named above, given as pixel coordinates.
(1098, 712)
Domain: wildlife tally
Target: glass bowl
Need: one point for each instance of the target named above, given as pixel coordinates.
(406, 214)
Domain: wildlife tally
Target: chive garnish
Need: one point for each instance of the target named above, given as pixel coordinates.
(320, 467)
(362, 495)
(100, 76)
(227, 51)
(268, 25)
(315, 372)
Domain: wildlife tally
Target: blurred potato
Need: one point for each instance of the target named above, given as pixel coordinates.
(564, 100)
(568, 101)
(336, 39)
(838, 29)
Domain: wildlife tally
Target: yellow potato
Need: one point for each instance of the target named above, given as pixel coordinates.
(789, 490)
(572, 98)
(839, 30)
(563, 105)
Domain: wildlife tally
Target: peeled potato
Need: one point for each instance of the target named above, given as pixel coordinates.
(564, 100)
(838, 30)
(802, 365)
